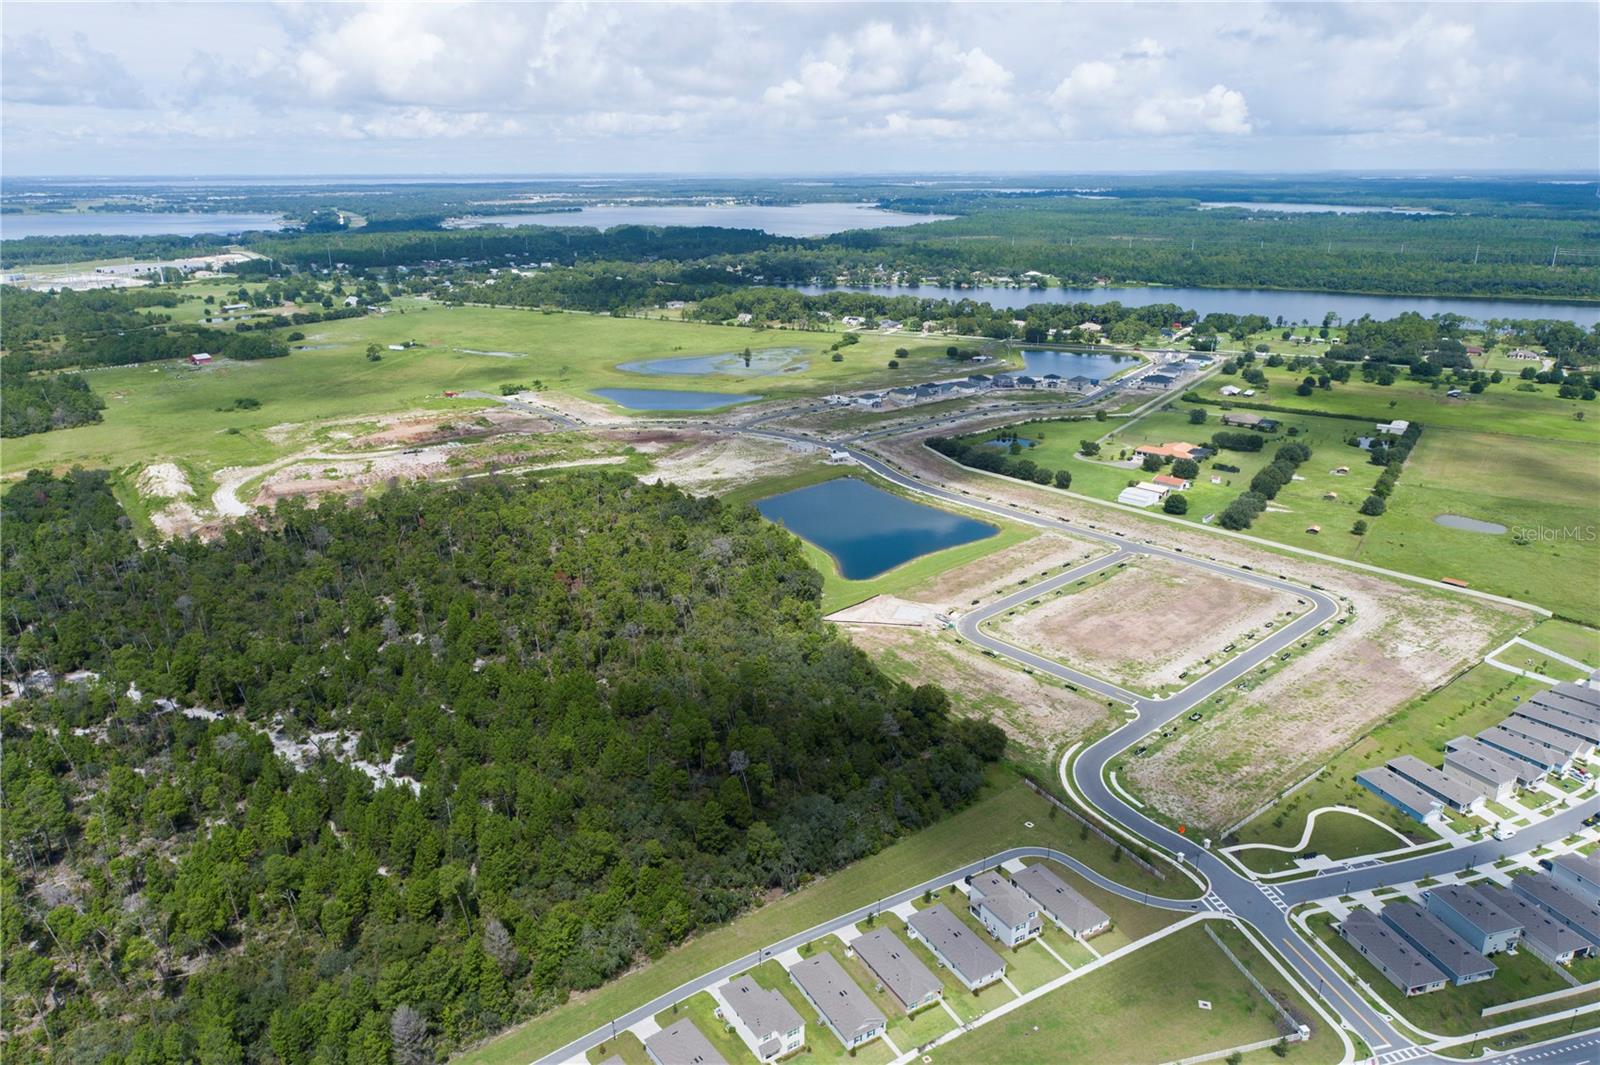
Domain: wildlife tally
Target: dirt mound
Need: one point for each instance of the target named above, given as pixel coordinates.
(164, 480)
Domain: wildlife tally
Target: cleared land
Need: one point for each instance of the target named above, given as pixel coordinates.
(1002, 572)
(1148, 622)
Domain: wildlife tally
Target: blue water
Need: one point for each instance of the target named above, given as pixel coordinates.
(1074, 363)
(762, 363)
(1294, 306)
(1023, 440)
(665, 399)
(868, 531)
(132, 223)
(799, 220)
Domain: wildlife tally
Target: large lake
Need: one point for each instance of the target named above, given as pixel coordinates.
(868, 531)
(669, 399)
(133, 224)
(1040, 361)
(800, 220)
(1294, 306)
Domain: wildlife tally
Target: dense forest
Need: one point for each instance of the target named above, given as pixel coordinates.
(38, 403)
(563, 725)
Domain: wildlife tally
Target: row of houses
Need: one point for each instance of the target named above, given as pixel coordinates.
(971, 385)
(1545, 735)
(1451, 936)
(1012, 911)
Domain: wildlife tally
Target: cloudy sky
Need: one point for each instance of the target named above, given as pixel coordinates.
(239, 88)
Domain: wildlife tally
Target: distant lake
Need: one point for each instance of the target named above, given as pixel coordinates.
(1066, 364)
(133, 224)
(800, 220)
(869, 531)
(667, 399)
(1318, 208)
(1294, 306)
(762, 364)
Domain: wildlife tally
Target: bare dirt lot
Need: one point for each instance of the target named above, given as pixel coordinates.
(1001, 571)
(1404, 639)
(1148, 622)
(1041, 714)
(715, 464)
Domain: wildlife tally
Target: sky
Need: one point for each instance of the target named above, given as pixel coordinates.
(569, 88)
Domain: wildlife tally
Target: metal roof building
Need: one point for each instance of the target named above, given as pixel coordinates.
(1059, 901)
(1399, 961)
(1438, 943)
(1574, 911)
(1453, 792)
(901, 971)
(844, 1007)
(1541, 933)
(1468, 760)
(1485, 927)
(957, 947)
(682, 1044)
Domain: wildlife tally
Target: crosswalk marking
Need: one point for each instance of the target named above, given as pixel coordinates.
(1275, 898)
(1215, 902)
(1394, 1057)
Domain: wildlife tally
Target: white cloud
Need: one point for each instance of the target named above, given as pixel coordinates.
(34, 70)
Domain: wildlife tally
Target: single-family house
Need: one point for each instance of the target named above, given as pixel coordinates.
(1394, 428)
(1484, 926)
(844, 1007)
(200, 358)
(1541, 933)
(1396, 790)
(352, 301)
(1449, 954)
(766, 1022)
(1399, 961)
(1568, 908)
(681, 1043)
(1177, 449)
(956, 947)
(1080, 383)
(1577, 873)
(1008, 914)
(1060, 902)
(1004, 380)
(1166, 480)
(1052, 380)
(1024, 381)
(1463, 795)
(1523, 355)
(898, 969)
(744, 318)
(1229, 390)
(1246, 420)
(1483, 766)
(1090, 327)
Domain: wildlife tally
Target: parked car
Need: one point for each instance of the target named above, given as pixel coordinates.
(1503, 832)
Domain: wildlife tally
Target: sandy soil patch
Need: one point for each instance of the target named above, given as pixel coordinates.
(436, 428)
(986, 577)
(887, 610)
(717, 464)
(1148, 622)
(164, 480)
(1041, 714)
(178, 519)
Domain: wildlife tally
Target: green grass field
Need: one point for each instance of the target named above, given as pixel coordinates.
(1142, 1008)
(1336, 834)
(995, 822)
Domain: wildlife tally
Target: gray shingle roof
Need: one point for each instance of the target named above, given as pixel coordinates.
(1386, 947)
(1392, 783)
(843, 1004)
(1435, 939)
(1576, 913)
(1003, 899)
(1537, 925)
(1482, 761)
(1485, 914)
(901, 971)
(1452, 790)
(1581, 692)
(1585, 869)
(683, 1044)
(1572, 725)
(1059, 899)
(960, 945)
(1564, 742)
(1567, 705)
(760, 1009)
(1521, 747)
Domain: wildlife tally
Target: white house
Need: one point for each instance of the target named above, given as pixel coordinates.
(766, 1022)
(1008, 914)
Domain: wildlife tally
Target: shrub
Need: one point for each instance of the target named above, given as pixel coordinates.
(1359, 528)
(1088, 447)
(1197, 416)
(838, 356)
(1188, 469)
(1151, 463)
(1176, 503)
(1063, 479)
(894, 364)
(1373, 505)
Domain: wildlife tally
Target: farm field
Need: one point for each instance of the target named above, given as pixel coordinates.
(1149, 624)
(994, 822)
(1146, 1005)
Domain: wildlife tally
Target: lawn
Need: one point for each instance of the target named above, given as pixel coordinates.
(993, 823)
(1141, 1008)
(904, 1031)
(702, 1010)
(968, 1005)
(625, 1046)
(1457, 1010)
(1337, 835)
(1477, 699)
(1324, 1045)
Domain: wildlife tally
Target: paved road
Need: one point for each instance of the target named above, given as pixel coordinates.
(548, 413)
(578, 1047)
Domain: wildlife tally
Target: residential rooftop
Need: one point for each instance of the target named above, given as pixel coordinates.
(901, 971)
(959, 945)
(844, 1005)
(1435, 939)
(682, 1043)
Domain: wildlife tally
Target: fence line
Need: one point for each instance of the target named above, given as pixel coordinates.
(1284, 1015)
(1096, 829)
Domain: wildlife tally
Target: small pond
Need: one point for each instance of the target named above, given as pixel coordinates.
(763, 363)
(1069, 364)
(869, 531)
(1023, 440)
(669, 399)
(1456, 521)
